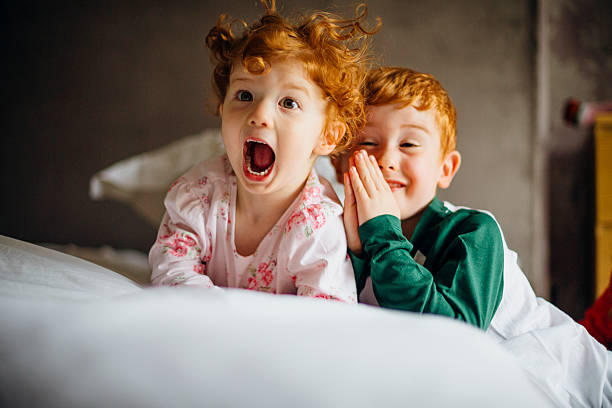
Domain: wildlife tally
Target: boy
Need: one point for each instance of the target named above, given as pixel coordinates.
(422, 255)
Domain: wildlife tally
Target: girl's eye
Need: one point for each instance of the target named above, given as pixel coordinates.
(244, 96)
(289, 103)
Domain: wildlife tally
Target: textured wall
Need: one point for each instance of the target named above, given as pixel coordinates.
(580, 66)
(91, 84)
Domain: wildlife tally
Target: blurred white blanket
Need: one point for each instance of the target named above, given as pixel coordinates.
(77, 335)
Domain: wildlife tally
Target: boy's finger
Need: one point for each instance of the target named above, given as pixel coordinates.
(379, 179)
(349, 197)
(359, 190)
(374, 171)
(365, 173)
(351, 221)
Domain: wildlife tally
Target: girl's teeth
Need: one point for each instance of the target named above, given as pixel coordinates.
(257, 173)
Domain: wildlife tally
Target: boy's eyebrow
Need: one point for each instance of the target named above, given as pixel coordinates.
(415, 125)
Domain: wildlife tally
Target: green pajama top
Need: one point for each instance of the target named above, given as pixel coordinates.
(453, 264)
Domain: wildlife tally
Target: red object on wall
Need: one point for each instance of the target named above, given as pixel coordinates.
(598, 318)
(582, 114)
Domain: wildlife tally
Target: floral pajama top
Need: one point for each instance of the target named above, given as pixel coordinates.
(304, 253)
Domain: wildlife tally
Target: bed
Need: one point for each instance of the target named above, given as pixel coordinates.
(77, 333)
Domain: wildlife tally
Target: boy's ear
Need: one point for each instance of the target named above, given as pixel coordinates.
(220, 109)
(334, 131)
(448, 168)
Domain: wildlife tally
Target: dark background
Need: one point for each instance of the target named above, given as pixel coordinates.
(87, 84)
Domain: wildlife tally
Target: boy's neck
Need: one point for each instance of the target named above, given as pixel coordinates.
(409, 224)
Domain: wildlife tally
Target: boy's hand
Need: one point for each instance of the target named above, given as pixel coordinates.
(372, 194)
(351, 223)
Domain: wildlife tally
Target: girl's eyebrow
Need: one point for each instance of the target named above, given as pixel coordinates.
(296, 86)
(299, 88)
(288, 85)
(244, 79)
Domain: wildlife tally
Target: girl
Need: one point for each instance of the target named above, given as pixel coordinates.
(260, 218)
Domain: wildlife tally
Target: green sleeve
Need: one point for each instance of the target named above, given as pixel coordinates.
(466, 277)
(361, 267)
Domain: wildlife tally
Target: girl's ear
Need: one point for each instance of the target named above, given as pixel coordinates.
(335, 130)
(448, 168)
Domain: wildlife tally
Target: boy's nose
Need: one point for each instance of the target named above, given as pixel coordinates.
(386, 166)
(386, 162)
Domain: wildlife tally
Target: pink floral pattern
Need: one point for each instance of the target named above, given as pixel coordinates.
(311, 194)
(311, 217)
(223, 211)
(175, 183)
(328, 297)
(178, 244)
(205, 199)
(197, 221)
(261, 278)
(199, 268)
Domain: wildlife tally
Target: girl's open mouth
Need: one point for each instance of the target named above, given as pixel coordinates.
(258, 159)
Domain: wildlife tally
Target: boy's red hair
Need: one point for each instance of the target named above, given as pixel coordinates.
(403, 86)
(333, 51)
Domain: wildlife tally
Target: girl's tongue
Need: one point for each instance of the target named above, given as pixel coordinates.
(260, 157)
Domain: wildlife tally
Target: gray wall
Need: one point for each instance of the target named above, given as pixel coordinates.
(579, 65)
(91, 84)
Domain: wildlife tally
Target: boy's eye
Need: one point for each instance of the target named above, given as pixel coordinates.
(408, 145)
(244, 96)
(367, 143)
(289, 103)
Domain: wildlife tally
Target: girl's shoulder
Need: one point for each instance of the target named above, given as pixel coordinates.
(205, 175)
(318, 191)
(202, 183)
(316, 209)
(213, 169)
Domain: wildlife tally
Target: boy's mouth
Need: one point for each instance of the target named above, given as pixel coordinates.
(258, 159)
(395, 185)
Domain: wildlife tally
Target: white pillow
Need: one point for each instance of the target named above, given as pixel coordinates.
(142, 181)
(30, 271)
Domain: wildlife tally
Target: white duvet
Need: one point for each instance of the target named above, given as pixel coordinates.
(74, 334)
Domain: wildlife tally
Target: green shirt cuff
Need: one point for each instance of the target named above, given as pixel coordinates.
(381, 230)
(361, 268)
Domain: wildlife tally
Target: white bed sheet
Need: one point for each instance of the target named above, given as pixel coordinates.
(75, 334)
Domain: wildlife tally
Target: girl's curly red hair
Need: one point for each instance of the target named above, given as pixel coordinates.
(333, 51)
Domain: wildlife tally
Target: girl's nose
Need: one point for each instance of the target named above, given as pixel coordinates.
(260, 115)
